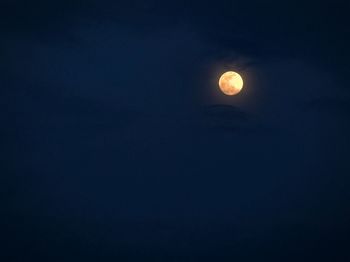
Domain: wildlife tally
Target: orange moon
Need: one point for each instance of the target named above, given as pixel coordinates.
(231, 83)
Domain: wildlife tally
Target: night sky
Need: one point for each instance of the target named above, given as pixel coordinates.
(116, 143)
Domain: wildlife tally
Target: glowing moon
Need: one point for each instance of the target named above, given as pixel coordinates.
(230, 83)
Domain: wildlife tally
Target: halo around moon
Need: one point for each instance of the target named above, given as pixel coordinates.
(231, 83)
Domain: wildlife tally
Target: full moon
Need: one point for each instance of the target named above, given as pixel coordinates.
(230, 83)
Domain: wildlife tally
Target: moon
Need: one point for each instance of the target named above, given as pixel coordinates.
(231, 83)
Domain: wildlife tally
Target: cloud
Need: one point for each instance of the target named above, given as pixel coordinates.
(110, 64)
(229, 119)
(334, 106)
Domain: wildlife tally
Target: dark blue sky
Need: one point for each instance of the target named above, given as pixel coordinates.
(117, 145)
